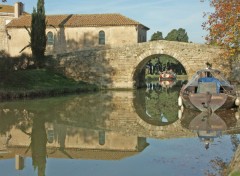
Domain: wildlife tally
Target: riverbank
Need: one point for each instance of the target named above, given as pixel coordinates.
(39, 83)
(33, 83)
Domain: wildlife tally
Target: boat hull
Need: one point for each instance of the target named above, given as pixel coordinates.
(167, 76)
(204, 101)
(208, 90)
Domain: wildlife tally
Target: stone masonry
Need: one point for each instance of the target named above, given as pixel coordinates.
(124, 67)
(3, 31)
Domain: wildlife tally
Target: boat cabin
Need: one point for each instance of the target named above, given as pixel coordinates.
(208, 80)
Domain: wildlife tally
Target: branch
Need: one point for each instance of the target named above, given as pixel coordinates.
(29, 45)
(29, 32)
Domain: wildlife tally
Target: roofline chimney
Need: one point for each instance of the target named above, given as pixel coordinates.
(18, 9)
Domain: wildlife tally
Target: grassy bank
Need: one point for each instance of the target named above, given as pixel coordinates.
(38, 83)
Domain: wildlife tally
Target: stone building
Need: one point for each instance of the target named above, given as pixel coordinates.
(7, 14)
(72, 32)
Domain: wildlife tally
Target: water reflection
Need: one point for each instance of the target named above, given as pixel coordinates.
(208, 126)
(111, 125)
(37, 135)
(157, 104)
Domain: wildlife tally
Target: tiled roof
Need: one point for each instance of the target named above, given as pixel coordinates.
(86, 20)
(86, 154)
(6, 9)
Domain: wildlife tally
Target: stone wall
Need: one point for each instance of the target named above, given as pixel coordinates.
(3, 33)
(76, 38)
(123, 67)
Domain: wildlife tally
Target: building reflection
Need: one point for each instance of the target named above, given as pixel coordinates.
(64, 137)
(54, 140)
(19, 162)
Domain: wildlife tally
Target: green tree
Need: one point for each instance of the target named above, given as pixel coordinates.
(156, 36)
(177, 35)
(38, 33)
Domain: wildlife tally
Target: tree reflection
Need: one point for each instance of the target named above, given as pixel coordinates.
(157, 105)
(38, 145)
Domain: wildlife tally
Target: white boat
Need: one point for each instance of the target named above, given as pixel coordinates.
(208, 90)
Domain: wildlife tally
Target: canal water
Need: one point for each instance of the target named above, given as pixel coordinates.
(115, 133)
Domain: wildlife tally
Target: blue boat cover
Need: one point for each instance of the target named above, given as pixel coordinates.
(211, 79)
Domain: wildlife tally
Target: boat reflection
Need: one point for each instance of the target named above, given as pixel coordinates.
(168, 83)
(208, 126)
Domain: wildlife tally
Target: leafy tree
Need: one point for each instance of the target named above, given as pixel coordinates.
(177, 35)
(172, 36)
(165, 61)
(223, 25)
(182, 35)
(156, 36)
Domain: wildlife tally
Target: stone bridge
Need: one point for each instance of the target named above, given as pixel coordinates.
(124, 67)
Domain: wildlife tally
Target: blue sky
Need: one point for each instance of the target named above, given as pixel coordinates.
(158, 15)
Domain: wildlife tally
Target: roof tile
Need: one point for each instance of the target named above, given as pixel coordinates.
(6, 9)
(85, 20)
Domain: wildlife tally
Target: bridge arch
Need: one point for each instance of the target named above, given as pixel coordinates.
(192, 57)
(139, 72)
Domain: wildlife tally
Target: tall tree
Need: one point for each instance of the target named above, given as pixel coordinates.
(177, 35)
(156, 36)
(38, 33)
(223, 25)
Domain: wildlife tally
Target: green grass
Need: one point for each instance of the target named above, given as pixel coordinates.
(39, 82)
(236, 173)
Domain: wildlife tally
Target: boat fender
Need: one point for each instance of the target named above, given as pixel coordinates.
(237, 102)
(179, 101)
(182, 108)
(179, 113)
(237, 115)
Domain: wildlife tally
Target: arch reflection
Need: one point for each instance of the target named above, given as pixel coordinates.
(156, 105)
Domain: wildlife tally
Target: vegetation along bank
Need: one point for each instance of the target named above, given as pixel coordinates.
(19, 80)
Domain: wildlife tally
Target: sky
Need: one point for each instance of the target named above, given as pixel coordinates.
(158, 15)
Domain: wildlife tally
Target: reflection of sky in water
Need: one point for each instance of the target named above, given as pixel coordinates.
(170, 157)
(186, 156)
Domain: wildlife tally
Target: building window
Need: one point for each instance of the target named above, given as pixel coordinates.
(50, 39)
(101, 38)
(101, 137)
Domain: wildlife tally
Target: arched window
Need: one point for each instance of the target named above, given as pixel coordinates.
(50, 39)
(101, 38)
(101, 137)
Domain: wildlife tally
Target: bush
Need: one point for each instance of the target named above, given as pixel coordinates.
(6, 64)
